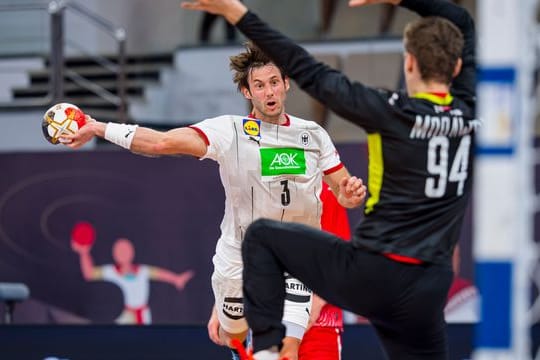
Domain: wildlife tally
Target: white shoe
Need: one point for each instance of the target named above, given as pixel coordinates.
(266, 355)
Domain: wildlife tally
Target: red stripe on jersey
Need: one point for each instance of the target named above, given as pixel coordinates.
(334, 169)
(439, 94)
(288, 122)
(202, 134)
(403, 259)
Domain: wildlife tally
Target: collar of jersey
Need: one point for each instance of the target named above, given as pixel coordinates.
(436, 98)
(286, 123)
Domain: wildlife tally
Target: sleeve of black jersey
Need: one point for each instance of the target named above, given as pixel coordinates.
(464, 85)
(351, 100)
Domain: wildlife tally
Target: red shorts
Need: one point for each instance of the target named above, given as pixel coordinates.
(321, 343)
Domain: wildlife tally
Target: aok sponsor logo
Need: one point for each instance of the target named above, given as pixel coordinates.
(280, 161)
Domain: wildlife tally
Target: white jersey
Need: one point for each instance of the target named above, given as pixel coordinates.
(134, 285)
(266, 171)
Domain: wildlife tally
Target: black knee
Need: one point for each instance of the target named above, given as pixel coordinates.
(258, 229)
(256, 232)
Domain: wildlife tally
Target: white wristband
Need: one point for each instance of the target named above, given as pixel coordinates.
(120, 134)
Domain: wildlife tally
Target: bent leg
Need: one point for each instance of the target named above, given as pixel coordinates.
(414, 327)
(271, 248)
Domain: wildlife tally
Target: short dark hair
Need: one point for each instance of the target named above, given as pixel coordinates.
(437, 44)
(243, 63)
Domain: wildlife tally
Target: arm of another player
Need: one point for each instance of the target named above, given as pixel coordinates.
(140, 140)
(178, 280)
(350, 191)
(351, 100)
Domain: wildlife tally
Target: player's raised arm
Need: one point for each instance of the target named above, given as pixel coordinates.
(139, 139)
(351, 100)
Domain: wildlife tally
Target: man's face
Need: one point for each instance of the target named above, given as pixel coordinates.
(267, 92)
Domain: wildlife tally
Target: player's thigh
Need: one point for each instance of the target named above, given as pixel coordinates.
(321, 343)
(314, 257)
(415, 328)
(229, 303)
(399, 347)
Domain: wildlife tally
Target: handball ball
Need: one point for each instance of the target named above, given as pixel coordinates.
(83, 234)
(62, 118)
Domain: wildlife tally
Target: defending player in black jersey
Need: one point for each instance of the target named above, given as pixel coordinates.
(397, 270)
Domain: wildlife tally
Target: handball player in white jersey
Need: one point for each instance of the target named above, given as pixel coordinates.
(271, 165)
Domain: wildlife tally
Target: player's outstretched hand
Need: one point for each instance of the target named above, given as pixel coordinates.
(232, 10)
(352, 192)
(354, 3)
(83, 135)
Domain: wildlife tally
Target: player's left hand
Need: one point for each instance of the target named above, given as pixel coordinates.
(289, 349)
(232, 10)
(317, 303)
(352, 192)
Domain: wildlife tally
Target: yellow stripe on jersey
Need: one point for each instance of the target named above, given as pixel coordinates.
(375, 170)
(447, 100)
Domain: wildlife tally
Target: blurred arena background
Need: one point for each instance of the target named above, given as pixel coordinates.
(142, 62)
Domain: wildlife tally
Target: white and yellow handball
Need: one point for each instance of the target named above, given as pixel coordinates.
(60, 119)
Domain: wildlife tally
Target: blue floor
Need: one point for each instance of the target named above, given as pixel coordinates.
(21, 342)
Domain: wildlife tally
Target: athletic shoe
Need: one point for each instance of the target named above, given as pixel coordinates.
(271, 354)
(266, 355)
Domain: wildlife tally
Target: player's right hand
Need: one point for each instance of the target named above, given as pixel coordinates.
(83, 135)
(80, 248)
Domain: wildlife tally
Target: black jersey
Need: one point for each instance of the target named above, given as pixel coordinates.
(420, 148)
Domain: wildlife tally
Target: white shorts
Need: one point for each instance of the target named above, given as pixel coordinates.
(229, 303)
(230, 307)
